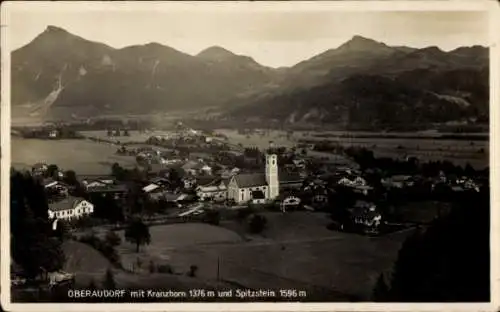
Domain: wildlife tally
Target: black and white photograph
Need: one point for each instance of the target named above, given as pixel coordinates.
(247, 152)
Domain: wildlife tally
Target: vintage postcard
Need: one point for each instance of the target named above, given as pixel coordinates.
(328, 155)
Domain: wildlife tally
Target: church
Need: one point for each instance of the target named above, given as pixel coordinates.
(261, 187)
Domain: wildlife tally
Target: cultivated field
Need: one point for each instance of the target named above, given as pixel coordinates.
(82, 156)
(425, 148)
(296, 251)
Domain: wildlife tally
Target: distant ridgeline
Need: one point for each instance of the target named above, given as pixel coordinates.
(361, 85)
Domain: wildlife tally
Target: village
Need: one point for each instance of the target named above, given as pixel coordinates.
(190, 176)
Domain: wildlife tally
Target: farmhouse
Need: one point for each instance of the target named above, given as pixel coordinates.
(366, 216)
(217, 192)
(241, 187)
(70, 208)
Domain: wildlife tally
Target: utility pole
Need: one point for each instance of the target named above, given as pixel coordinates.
(218, 268)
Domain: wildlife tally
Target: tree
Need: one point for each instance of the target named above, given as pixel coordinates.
(152, 267)
(175, 178)
(109, 280)
(192, 271)
(113, 239)
(118, 172)
(212, 217)
(34, 246)
(92, 285)
(138, 233)
(381, 290)
(52, 170)
(70, 178)
(257, 223)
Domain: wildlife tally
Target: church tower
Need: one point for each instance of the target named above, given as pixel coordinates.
(272, 176)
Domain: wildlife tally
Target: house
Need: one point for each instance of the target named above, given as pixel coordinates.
(96, 183)
(216, 191)
(242, 186)
(363, 189)
(398, 181)
(160, 181)
(53, 134)
(290, 201)
(290, 180)
(39, 169)
(154, 191)
(357, 181)
(206, 170)
(226, 174)
(173, 199)
(70, 208)
(189, 182)
(117, 191)
(192, 167)
(366, 217)
(55, 188)
(299, 163)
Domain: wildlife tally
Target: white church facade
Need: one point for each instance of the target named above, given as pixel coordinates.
(260, 187)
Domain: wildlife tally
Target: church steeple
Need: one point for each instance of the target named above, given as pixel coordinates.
(272, 175)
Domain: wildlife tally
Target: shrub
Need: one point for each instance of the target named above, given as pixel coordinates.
(113, 239)
(103, 247)
(165, 268)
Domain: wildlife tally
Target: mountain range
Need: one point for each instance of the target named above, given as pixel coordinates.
(61, 76)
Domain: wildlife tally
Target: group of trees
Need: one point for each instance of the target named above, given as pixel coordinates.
(447, 262)
(62, 132)
(35, 247)
(366, 159)
(117, 132)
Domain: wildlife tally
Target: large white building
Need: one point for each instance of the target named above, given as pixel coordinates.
(245, 187)
(70, 208)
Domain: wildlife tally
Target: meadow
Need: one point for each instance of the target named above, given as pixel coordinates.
(425, 146)
(88, 264)
(295, 251)
(82, 156)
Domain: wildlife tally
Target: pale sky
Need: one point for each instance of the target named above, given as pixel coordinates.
(272, 38)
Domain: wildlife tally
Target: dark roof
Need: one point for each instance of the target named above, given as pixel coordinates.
(258, 195)
(226, 181)
(65, 204)
(171, 196)
(39, 166)
(207, 180)
(108, 188)
(244, 180)
(290, 177)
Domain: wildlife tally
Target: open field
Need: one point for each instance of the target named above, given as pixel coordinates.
(87, 264)
(296, 251)
(135, 136)
(425, 148)
(82, 156)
